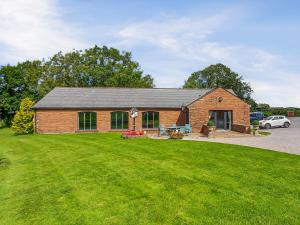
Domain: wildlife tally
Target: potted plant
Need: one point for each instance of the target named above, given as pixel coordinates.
(255, 124)
(211, 128)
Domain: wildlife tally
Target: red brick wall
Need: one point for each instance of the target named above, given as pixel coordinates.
(65, 121)
(199, 110)
(56, 121)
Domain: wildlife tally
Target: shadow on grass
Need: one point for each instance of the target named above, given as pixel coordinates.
(4, 162)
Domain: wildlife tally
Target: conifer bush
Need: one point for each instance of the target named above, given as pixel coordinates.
(23, 119)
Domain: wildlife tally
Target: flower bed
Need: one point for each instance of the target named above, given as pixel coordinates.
(133, 133)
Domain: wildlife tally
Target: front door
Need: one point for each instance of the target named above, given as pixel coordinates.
(222, 119)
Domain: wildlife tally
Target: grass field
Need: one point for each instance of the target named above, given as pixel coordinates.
(102, 179)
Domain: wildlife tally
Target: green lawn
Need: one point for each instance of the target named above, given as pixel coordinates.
(102, 179)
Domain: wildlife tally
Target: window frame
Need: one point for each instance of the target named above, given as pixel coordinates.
(187, 116)
(84, 121)
(155, 126)
(116, 120)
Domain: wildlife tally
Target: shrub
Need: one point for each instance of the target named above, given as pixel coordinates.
(2, 124)
(23, 120)
(210, 123)
(255, 123)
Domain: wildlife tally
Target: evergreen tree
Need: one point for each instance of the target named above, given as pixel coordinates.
(23, 119)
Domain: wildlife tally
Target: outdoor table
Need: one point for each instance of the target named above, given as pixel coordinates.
(173, 128)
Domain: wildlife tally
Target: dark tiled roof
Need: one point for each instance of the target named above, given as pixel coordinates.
(119, 98)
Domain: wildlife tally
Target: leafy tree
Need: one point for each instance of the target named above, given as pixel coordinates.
(263, 107)
(94, 67)
(220, 75)
(17, 82)
(23, 119)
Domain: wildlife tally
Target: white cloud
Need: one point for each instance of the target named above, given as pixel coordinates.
(168, 32)
(187, 46)
(33, 29)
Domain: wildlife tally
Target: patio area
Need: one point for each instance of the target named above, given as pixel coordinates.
(202, 137)
(281, 139)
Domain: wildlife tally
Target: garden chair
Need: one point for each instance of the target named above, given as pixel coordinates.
(188, 128)
(162, 130)
(182, 129)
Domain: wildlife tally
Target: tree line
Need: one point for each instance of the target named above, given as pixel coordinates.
(269, 111)
(96, 67)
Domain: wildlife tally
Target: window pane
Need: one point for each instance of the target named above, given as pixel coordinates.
(81, 121)
(87, 121)
(125, 120)
(119, 120)
(150, 119)
(113, 120)
(187, 117)
(156, 119)
(93, 120)
(144, 119)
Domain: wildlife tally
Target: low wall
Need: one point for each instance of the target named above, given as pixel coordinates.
(241, 128)
(235, 127)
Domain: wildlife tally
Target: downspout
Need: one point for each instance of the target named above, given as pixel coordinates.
(34, 121)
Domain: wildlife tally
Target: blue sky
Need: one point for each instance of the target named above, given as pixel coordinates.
(170, 39)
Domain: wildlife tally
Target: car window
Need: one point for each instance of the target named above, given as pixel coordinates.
(275, 118)
(281, 117)
(270, 117)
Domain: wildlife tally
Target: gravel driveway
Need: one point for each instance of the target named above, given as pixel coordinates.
(281, 139)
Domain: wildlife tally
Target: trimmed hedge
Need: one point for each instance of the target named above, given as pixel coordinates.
(281, 111)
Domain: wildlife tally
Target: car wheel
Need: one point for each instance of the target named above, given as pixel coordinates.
(268, 126)
(286, 125)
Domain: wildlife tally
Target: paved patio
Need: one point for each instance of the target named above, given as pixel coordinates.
(281, 139)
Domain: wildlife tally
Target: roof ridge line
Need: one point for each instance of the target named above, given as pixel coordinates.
(134, 88)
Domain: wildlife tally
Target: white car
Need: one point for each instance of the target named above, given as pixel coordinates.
(274, 121)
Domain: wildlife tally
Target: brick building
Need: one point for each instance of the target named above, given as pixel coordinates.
(70, 110)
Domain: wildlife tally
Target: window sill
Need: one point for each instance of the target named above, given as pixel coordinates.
(86, 131)
(118, 130)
